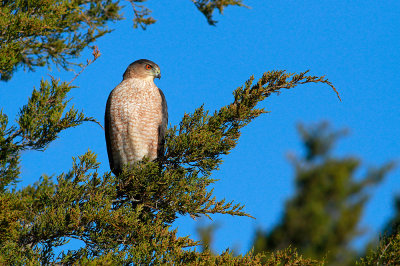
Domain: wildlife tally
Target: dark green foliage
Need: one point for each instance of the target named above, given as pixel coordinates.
(43, 117)
(80, 206)
(206, 234)
(35, 33)
(322, 217)
(201, 139)
(387, 253)
(207, 7)
(393, 226)
(39, 122)
(284, 257)
(141, 13)
(118, 220)
(9, 155)
(126, 218)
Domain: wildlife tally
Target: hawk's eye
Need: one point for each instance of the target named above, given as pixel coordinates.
(148, 67)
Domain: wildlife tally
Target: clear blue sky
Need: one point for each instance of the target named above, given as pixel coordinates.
(356, 44)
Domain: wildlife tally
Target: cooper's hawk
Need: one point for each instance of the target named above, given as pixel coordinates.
(136, 117)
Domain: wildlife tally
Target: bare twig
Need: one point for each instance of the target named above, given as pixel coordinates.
(96, 54)
(383, 252)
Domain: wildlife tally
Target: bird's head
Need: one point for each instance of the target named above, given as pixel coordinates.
(144, 69)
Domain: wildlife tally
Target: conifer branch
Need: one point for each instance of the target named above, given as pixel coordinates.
(44, 116)
(96, 54)
(201, 139)
(207, 7)
(142, 14)
(35, 34)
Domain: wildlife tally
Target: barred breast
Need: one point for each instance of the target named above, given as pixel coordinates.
(135, 114)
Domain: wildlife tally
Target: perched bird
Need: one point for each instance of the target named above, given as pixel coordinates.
(136, 117)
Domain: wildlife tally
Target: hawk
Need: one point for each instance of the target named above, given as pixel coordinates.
(136, 117)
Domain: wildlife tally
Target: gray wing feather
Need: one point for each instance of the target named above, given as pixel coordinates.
(162, 128)
(108, 137)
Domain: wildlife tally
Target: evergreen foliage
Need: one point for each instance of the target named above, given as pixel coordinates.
(322, 218)
(387, 250)
(392, 228)
(206, 234)
(38, 123)
(207, 7)
(387, 253)
(125, 219)
(37, 33)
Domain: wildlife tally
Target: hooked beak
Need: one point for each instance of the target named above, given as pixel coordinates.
(157, 73)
